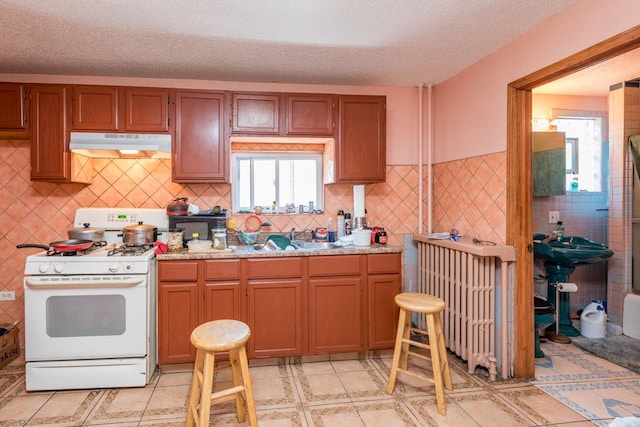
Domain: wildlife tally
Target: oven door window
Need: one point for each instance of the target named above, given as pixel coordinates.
(86, 315)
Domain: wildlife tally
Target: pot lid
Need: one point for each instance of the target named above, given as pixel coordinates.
(86, 228)
(140, 227)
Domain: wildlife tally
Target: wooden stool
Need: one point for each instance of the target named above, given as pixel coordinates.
(432, 307)
(209, 338)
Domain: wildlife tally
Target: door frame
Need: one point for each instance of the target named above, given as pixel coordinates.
(519, 180)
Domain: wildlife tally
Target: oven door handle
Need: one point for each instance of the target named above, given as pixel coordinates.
(116, 282)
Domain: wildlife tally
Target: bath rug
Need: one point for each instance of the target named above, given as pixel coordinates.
(619, 349)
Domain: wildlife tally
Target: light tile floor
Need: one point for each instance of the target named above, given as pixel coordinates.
(572, 388)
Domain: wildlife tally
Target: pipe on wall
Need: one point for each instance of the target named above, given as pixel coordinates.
(421, 87)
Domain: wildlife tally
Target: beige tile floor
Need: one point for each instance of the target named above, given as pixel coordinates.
(572, 388)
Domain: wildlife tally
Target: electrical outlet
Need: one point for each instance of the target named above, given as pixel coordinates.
(554, 217)
(7, 296)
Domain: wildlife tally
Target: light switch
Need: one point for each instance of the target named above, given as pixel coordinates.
(554, 217)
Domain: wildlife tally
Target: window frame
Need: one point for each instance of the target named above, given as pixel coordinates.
(238, 156)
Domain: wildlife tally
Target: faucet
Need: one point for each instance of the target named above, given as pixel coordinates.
(295, 233)
(551, 237)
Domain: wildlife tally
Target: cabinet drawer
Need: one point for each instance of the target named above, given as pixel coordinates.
(228, 269)
(337, 265)
(277, 268)
(178, 271)
(383, 263)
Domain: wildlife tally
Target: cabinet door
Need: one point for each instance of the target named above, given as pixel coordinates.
(310, 115)
(146, 109)
(200, 145)
(177, 318)
(382, 310)
(95, 108)
(222, 289)
(335, 315)
(13, 114)
(275, 318)
(255, 113)
(361, 143)
(49, 155)
(178, 299)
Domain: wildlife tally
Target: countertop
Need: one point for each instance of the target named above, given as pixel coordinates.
(243, 252)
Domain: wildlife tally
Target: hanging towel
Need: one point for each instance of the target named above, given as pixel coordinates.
(634, 143)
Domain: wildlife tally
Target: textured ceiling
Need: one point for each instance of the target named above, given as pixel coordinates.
(354, 42)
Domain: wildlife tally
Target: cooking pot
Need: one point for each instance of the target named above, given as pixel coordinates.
(87, 233)
(139, 234)
(178, 206)
(72, 245)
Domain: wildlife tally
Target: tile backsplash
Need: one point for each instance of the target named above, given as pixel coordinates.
(42, 212)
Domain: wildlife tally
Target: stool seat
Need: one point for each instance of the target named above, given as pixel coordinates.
(209, 338)
(220, 335)
(431, 307)
(419, 303)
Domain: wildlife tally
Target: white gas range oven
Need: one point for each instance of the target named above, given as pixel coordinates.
(90, 316)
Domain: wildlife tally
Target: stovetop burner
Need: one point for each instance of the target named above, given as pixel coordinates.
(129, 250)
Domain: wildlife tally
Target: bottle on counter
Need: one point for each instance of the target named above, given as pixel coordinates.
(382, 237)
(331, 230)
(340, 227)
(347, 224)
(559, 230)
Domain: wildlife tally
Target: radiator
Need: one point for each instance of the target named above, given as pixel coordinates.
(465, 275)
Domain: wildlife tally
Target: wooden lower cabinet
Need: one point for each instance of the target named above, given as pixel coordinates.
(335, 303)
(335, 324)
(384, 283)
(178, 300)
(192, 292)
(275, 318)
(293, 305)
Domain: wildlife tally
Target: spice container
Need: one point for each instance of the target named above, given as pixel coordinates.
(175, 241)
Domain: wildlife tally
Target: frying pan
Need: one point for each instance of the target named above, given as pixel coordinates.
(71, 245)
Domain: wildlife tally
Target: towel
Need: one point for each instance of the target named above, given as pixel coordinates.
(634, 144)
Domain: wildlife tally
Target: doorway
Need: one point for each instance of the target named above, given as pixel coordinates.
(519, 179)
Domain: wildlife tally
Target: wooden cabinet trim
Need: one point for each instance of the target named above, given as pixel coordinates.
(264, 268)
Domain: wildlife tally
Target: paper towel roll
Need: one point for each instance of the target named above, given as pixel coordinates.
(358, 201)
(567, 287)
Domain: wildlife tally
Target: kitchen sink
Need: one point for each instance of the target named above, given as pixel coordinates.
(313, 246)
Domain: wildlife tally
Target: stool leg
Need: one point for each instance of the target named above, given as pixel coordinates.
(402, 326)
(248, 390)
(442, 350)
(207, 388)
(192, 407)
(434, 344)
(406, 337)
(236, 376)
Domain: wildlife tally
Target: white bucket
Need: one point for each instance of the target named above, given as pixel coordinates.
(631, 316)
(361, 237)
(593, 323)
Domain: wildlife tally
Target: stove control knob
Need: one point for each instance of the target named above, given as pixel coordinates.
(43, 268)
(113, 267)
(128, 267)
(58, 268)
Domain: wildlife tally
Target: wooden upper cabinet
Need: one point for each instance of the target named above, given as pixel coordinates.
(255, 113)
(49, 155)
(310, 115)
(13, 107)
(201, 149)
(146, 109)
(95, 108)
(361, 141)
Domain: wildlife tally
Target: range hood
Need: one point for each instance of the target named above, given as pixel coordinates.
(121, 145)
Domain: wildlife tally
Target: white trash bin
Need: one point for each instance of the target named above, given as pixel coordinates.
(593, 322)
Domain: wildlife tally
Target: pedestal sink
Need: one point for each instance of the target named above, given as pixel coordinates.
(561, 258)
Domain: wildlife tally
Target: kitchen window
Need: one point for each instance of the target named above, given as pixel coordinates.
(262, 178)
